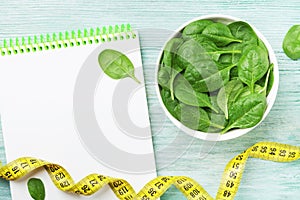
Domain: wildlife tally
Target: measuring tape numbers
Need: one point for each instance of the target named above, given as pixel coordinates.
(155, 188)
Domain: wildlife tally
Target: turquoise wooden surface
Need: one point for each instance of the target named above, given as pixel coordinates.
(262, 179)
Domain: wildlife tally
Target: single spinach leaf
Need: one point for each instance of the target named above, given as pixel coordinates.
(195, 28)
(36, 189)
(228, 95)
(185, 93)
(116, 65)
(253, 66)
(220, 34)
(210, 80)
(169, 102)
(246, 112)
(291, 43)
(243, 31)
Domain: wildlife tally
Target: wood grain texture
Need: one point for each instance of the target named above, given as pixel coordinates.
(177, 153)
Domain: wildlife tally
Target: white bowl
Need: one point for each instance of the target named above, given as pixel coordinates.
(236, 132)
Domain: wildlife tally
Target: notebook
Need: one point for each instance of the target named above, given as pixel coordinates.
(65, 100)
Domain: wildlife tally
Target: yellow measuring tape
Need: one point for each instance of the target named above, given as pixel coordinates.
(155, 188)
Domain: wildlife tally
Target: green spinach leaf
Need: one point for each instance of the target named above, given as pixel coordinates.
(246, 112)
(214, 103)
(291, 43)
(193, 117)
(170, 103)
(243, 31)
(191, 53)
(170, 62)
(199, 38)
(166, 77)
(267, 81)
(220, 34)
(253, 66)
(234, 57)
(234, 74)
(225, 59)
(170, 50)
(217, 123)
(195, 28)
(209, 81)
(36, 189)
(271, 80)
(116, 65)
(196, 118)
(228, 95)
(185, 93)
(263, 46)
(215, 52)
(246, 91)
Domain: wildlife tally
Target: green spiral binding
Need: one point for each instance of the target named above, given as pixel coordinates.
(66, 39)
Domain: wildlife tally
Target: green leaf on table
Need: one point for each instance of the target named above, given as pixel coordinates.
(116, 65)
(36, 189)
(291, 43)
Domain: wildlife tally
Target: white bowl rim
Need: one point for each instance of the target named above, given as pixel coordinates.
(236, 132)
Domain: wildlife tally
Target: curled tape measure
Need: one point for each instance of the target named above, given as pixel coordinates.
(154, 189)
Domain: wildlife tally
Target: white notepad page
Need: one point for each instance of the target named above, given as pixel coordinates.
(59, 106)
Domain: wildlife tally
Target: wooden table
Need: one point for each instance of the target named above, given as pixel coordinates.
(190, 157)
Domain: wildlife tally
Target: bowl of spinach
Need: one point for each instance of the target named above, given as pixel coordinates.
(217, 77)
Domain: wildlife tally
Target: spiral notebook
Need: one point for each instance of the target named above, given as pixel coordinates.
(62, 102)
